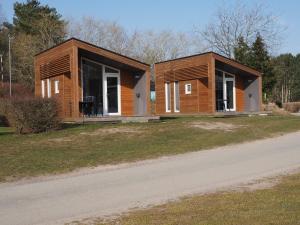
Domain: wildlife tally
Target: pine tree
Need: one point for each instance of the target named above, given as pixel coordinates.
(261, 60)
(242, 52)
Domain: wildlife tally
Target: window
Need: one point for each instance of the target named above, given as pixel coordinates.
(188, 89)
(43, 88)
(49, 87)
(168, 97)
(56, 87)
(176, 97)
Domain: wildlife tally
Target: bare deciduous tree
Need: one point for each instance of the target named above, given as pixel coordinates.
(147, 46)
(240, 20)
(102, 33)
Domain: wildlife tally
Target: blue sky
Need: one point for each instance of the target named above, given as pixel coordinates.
(178, 15)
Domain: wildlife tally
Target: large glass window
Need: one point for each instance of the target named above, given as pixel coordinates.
(112, 94)
(219, 91)
(92, 87)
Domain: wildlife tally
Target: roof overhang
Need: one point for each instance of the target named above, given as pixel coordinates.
(99, 51)
(236, 64)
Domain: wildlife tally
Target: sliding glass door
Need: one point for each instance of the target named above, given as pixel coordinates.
(112, 92)
(225, 91)
(101, 91)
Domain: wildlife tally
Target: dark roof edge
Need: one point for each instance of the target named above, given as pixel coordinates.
(76, 39)
(184, 57)
(205, 53)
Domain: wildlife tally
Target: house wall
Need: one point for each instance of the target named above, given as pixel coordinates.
(251, 96)
(197, 71)
(66, 80)
(127, 93)
(140, 95)
(239, 91)
(65, 58)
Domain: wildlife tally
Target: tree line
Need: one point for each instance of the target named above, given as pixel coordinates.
(246, 33)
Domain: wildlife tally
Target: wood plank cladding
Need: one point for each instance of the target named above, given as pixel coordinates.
(199, 72)
(127, 93)
(55, 67)
(62, 63)
(195, 71)
(188, 73)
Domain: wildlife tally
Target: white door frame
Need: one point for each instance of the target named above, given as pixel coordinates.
(105, 100)
(225, 91)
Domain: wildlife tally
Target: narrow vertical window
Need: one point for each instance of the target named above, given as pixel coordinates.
(49, 87)
(56, 87)
(176, 97)
(168, 97)
(43, 88)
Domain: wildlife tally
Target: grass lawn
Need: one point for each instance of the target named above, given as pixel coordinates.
(277, 206)
(98, 144)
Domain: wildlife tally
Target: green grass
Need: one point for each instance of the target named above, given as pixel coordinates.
(97, 144)
(279, 205)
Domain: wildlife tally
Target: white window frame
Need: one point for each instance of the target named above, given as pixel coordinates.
(175, 104)
(49, 87)
(56, 86)
(167, 97)
(43, 88)
(187, 91)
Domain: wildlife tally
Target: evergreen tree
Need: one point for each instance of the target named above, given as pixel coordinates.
(28, 16)
(242, 52)
(36, 27)
(261, 60)
(257, 56)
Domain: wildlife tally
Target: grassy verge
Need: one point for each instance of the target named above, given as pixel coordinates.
(277, 206)
(98, 144)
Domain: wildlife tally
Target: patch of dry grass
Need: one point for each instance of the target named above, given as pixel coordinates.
(266, 204)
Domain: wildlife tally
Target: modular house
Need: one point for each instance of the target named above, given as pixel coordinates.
(91, 81)
(206, 83)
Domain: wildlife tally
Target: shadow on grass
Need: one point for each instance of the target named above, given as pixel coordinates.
(70, 125)
(166, 118)
(4, 131)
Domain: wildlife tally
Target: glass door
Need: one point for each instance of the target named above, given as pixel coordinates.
(229, 93)
(112, 93)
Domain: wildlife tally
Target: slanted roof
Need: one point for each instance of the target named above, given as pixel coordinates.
(100, 51)
(221, 58)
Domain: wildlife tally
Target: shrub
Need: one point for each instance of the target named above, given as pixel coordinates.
(31, 115)
(292, 107)
(18, 90)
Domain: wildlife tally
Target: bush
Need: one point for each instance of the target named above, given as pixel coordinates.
(293, 107)
(17, 90)
(30, 115)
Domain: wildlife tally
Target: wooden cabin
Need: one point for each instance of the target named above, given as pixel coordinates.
(206, 83)
(91, 81)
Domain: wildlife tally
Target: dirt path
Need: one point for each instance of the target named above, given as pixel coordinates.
(113, 190)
